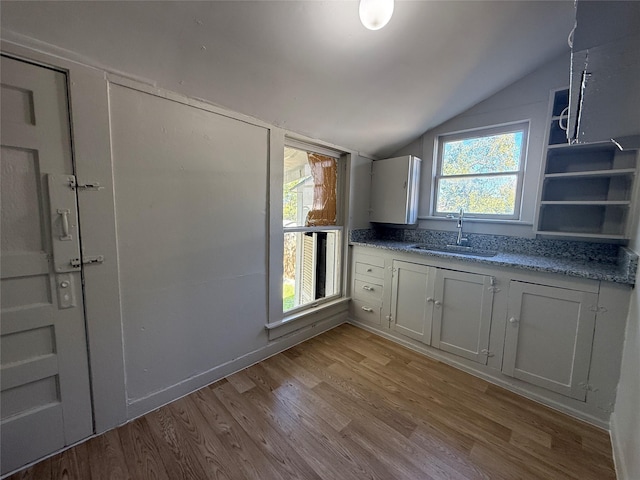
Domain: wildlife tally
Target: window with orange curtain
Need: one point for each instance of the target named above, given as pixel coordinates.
(312, 234)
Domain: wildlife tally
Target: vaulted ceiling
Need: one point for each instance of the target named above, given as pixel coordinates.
(310, 66)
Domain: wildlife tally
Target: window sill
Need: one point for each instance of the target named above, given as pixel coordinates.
(307, 317)
(478, 220)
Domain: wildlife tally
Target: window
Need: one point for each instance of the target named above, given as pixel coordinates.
(481, 172)
(312, 231)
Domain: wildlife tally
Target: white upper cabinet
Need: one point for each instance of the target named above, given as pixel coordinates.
(395, 184)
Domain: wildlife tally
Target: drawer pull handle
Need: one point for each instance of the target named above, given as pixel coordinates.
(367, 309)
(369, 269)
(367, 288)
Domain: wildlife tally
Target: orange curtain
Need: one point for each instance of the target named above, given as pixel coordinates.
(324, 171)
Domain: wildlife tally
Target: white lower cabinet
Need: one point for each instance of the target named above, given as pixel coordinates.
(412, 300)
(559, 337)
(446, 309)
(549, 336)
(462, 308)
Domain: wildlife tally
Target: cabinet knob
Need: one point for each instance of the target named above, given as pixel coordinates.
(367, 309)
(437, 303)
(513, 320)
(429, 299)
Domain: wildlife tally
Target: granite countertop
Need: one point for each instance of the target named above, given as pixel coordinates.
(621, 269)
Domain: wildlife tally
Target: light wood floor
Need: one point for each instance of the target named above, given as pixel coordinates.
(346, 405)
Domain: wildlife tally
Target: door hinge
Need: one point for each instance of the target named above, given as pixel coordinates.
(74, 185)
(587, 386)
(87, 260)
(597, 309)
(487, 352)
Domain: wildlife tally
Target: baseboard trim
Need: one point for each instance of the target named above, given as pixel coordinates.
(144, 405)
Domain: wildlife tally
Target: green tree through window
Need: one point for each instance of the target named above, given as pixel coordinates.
(481, 174)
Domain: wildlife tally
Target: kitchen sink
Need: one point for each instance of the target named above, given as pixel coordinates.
(457, 249)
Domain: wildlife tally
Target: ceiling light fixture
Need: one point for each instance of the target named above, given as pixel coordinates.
(375, 14)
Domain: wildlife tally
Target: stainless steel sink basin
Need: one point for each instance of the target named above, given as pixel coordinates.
(458, 249)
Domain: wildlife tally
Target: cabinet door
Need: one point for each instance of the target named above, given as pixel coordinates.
(412, 299)
(549, 336)
(462, 314)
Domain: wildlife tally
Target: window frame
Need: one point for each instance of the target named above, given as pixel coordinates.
(520, 126)
(339, 227)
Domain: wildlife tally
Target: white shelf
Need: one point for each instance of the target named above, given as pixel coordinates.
(586, 189)
(583, 146)
(614, 172)
(556, 233)
(604, 203)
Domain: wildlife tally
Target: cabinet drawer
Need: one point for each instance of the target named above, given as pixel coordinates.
(369, 270)
(367, 311)
(365, 290)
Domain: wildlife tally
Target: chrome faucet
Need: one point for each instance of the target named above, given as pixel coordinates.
(460, 240)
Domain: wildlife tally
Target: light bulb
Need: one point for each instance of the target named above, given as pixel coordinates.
(375, 14)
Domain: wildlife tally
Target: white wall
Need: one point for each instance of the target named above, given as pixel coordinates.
(191, 192)
(360, 192)
(625, 420)
(181, 299)
(527, 99)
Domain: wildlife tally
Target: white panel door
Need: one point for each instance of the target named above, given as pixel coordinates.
(45, 399)
(411, 300)
(462, 314)
(549, 337)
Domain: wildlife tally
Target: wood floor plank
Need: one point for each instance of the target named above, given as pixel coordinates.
(241, 381)
(326, 451)
(363, 399)
(143, 458)
(447, 448)
(214, 458)
(64, 466)
(310, 403)
(274, 445)
(107, 460)
(40, 471)
(346, 405)
(240, 445)
(357, 345)
(177, 456)
(83, 461)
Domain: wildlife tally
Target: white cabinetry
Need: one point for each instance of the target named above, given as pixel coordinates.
(587, 189)
(368, 288)
(446, 309)
(554, 338)
(462, 307)
(412, 300)
(549, 337)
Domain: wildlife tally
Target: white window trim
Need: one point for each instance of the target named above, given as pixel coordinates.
(523, 126)
(301, 316)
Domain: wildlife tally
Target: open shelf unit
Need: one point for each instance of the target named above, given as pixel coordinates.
(586, 189)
